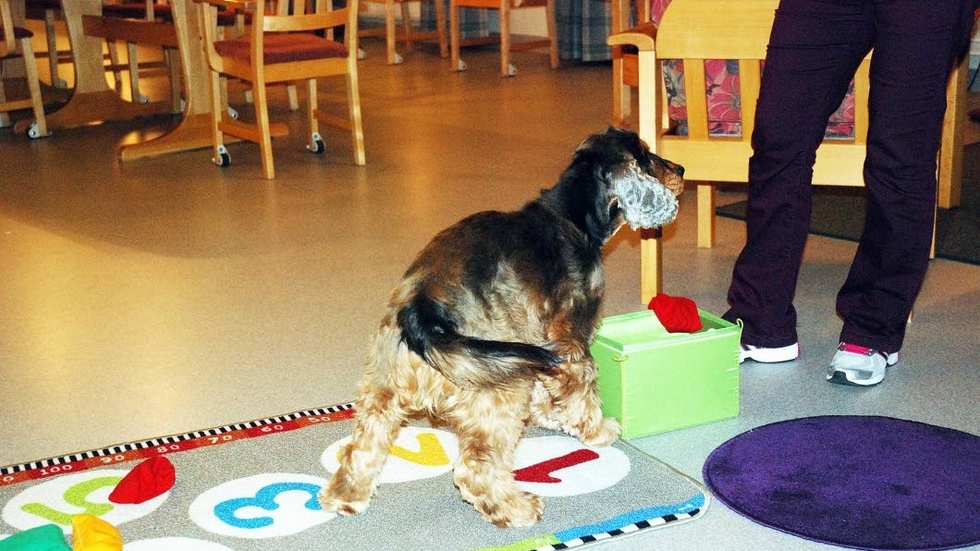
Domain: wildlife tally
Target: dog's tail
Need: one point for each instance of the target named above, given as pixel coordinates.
(429, 331)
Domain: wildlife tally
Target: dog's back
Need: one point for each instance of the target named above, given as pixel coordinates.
(478, 301)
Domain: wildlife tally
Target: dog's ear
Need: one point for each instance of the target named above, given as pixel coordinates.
(582, 196)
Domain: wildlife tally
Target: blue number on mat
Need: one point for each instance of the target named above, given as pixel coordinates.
(265, 498)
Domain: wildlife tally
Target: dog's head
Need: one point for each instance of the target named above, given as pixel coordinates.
(615, 179)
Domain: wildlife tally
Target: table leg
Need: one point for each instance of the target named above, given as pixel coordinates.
(194, 130)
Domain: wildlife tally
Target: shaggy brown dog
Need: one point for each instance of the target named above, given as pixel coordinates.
(489, 330)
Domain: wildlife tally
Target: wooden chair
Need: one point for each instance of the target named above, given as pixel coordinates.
(408, 33)
(16, 42)
(507, 45)
(48, 11)
(696, 30)
(279, 49)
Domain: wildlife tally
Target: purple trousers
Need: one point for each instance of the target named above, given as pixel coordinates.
(814, 49)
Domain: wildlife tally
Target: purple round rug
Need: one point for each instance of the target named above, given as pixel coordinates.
(866, 482)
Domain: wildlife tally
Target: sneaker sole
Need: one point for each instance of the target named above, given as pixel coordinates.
(771, 355)
(840, 377)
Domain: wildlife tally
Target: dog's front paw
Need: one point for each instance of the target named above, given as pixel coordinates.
(604, 435)
(347, 505)
(517, 510)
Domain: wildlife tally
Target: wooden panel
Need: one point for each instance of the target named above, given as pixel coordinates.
(716, 29)
(715, 160)
(750, 77)
(696, 97)
(862, 87)
(727, 160)
(950, 173)
(138, 31)
(630, 70)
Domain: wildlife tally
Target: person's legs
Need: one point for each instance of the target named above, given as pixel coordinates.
(915, 46)
(815, 47)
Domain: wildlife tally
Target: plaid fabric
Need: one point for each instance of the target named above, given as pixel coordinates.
(583, 26)
(473, 22)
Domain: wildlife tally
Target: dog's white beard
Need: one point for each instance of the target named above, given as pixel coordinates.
(646, 203)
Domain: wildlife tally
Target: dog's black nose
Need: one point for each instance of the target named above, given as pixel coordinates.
(679, 170)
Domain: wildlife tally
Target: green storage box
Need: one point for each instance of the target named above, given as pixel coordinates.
(654, 381)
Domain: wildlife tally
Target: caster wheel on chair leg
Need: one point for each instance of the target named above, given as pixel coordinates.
(316, 144)
(223, 159)
(34, 132)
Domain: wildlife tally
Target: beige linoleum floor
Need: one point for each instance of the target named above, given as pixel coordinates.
(163, 295)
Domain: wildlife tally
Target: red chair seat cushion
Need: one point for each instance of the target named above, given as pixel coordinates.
(44, 4)
(283, 47)
(137, 11)
(19, 33)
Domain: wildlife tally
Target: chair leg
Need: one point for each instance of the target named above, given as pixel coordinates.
(260, 94)
(622, 93)
(407, 26)
(393, 57)
(218, 102)
(51, 37)
(651, 264)
(440, 8)
(40, 127)
(172, 56)
(4, 116)
(456, 64)
(552, 33)
(316, 142)
(113, 49)
(506, 67)
(293, 96)
(354, 106)
(706, 215)
(134, 74)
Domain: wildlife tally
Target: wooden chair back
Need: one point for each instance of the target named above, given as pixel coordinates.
(696, 30)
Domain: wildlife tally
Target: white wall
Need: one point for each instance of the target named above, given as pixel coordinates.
(530, 22)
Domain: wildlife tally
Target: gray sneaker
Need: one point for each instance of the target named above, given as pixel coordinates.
(858, 365)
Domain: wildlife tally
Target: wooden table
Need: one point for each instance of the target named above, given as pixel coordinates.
(94, 101)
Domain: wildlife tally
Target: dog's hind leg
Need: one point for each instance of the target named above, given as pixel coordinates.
(380, 415)
(489, 428)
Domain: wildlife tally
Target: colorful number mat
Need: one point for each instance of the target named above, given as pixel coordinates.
(253, 486)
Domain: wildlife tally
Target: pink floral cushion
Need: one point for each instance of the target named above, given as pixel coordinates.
(722, 85)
